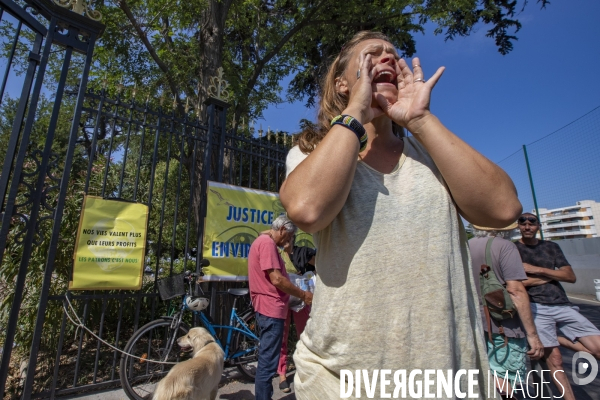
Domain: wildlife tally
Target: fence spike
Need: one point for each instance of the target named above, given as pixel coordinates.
(120, 86)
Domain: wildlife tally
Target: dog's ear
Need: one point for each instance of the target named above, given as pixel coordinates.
(202, 338)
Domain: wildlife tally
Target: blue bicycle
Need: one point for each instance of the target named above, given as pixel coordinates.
(152, 350)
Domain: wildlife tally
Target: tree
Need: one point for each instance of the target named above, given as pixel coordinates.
(259, 42)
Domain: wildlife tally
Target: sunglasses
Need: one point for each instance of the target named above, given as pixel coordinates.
(522, 220)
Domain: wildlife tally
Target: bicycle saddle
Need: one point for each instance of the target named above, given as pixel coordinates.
(238, 291)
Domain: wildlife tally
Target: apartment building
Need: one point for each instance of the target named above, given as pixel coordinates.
(572, 222)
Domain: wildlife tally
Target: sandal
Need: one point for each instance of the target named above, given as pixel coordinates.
(284, 386)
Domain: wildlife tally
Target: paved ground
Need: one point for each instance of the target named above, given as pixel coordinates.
(590, 308)
(235, 388)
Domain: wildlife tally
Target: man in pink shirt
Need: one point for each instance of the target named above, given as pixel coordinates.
(270, 289)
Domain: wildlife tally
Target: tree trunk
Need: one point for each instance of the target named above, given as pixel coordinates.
(211, 35)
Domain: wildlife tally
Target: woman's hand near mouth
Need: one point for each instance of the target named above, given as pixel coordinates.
(414, 94)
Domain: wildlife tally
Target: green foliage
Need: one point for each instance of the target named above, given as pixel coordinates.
(259, 42)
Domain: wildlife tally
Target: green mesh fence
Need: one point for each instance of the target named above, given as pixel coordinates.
(565, 165)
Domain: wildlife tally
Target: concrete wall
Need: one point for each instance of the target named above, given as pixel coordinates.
(584, 257)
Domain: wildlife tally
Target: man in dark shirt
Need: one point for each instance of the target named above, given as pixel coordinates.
(546, 266)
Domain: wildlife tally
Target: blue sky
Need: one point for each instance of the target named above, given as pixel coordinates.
(498, 103)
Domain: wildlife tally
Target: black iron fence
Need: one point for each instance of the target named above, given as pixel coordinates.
(61, 142)
(36, 167)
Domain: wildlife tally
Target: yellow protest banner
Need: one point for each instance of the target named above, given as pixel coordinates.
(110, 246)
(235, 217)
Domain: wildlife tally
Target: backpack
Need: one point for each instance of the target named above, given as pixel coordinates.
(497, 303)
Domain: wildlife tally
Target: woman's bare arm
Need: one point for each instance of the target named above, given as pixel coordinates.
(483, 192)
(315, 192)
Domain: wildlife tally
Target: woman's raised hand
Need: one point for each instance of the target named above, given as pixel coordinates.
(361, 95)
(414, 93)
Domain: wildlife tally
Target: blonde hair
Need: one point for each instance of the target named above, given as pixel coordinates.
(332, 102)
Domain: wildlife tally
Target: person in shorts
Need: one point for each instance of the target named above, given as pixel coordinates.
(546, 266)
(507, 340)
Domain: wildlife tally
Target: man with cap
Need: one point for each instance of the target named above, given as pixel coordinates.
(506, 340)
(546, 266)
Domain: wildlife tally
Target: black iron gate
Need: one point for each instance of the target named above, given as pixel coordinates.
(35, 177)
(60, 143)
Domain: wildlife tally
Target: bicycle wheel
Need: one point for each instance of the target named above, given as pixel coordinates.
(150, 342)
(247, 363)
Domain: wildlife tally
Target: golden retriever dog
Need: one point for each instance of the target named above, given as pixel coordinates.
(197, 378)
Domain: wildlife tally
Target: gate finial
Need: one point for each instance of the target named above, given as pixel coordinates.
(120, 86)
(80, 7)
(218, 86)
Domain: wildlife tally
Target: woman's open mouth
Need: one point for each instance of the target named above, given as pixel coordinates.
(385, 77)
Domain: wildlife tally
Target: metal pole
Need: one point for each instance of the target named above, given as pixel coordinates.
(537, 211)
(222, 110)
